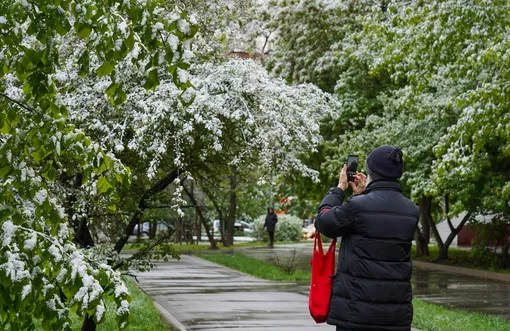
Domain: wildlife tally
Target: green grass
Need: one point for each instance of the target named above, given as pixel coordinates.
(430, 317)
(427, 316)
(144, 316)
(197, 248)
(460, 258)
(257, 268)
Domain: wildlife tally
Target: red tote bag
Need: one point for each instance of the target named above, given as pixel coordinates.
(323, 268)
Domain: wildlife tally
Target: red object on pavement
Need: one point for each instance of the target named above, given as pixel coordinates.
(323, 269)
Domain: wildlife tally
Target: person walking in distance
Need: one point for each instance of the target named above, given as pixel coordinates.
(270, 225)
(372, 288)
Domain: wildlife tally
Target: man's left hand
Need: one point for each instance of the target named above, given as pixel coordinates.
(359, 183)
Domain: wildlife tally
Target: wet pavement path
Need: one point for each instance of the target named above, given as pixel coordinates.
(449, 290)
(205, 296)
(202, 295)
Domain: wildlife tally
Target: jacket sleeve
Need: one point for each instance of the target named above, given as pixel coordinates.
(265, 223)
(275, 218)
(335, 218)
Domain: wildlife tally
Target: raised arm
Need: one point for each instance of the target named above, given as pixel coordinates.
(335, 218)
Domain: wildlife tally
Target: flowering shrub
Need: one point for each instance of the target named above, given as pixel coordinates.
(288, 228)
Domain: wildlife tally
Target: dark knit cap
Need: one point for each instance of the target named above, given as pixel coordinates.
(385, 161)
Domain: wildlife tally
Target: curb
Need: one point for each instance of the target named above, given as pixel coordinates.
(169, 318)
(462, 271)
(165, 314)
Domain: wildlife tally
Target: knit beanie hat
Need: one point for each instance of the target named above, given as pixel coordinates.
(385, 161)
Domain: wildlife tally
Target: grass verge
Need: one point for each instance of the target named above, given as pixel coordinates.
(144, 316)
(427, 316)
(198, 248)
(460, 258)
(257, 268)
(430, 317)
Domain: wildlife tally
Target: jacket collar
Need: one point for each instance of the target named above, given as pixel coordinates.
(383, 185)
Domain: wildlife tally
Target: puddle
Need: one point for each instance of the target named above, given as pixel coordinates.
(449, 290)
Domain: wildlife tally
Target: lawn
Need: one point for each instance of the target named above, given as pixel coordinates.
(202, 247)
(430, 317)
(144, 316)
(427, 316)
(460, 258)
(257, 268)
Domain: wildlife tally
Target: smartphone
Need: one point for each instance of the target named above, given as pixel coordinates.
(352, 167)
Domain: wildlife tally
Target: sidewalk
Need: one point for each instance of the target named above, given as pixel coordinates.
(201, 295)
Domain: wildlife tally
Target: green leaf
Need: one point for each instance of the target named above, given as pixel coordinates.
(105, 69)
(39, 154)
(84, 63)
(103, 185)
(110, 91)
(51, 174)
(120, 96)
(62, 30)
(84, 32)
(5, 170)
(6, 129)
(152, 80)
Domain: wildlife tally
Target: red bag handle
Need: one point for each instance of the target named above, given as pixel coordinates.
(318, 239)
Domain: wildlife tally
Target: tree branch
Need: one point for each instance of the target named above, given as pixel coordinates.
(16, 102)
(201, 216)
(447, 211)
(170, 206)
(142, 205)
(144, 251)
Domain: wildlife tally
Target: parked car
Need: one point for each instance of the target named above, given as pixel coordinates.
(144, 228)
(238, 226)
(248, 228)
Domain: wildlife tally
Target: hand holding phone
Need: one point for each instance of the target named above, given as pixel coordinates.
(352, 167)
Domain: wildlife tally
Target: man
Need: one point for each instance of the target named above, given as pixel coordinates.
(270, 225)
(371, 289)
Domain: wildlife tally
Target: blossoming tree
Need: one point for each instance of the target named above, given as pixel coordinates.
(43, 274)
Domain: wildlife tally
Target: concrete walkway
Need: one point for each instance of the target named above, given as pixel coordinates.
(201, 295)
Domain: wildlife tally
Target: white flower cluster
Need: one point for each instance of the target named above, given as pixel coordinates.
(239, 111)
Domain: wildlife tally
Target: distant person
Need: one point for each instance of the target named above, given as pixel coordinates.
(270, 225)
(371, 289)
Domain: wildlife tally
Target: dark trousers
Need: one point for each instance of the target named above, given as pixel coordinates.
(338, 329)
(271, 237)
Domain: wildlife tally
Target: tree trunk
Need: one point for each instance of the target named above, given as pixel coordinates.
(505, 253)
(420, 242)
(83, 239)
(153, 227)
(74, 223)
(232, 209)
(199, 228)
(142, 205)
(443, 251)
(220, 214)
(423, 237)
(222, 232)
(201, 217)
(82, 235)
(428, 216)
(88, 323)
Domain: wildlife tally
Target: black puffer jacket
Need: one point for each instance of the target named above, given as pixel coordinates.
(372, 288)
